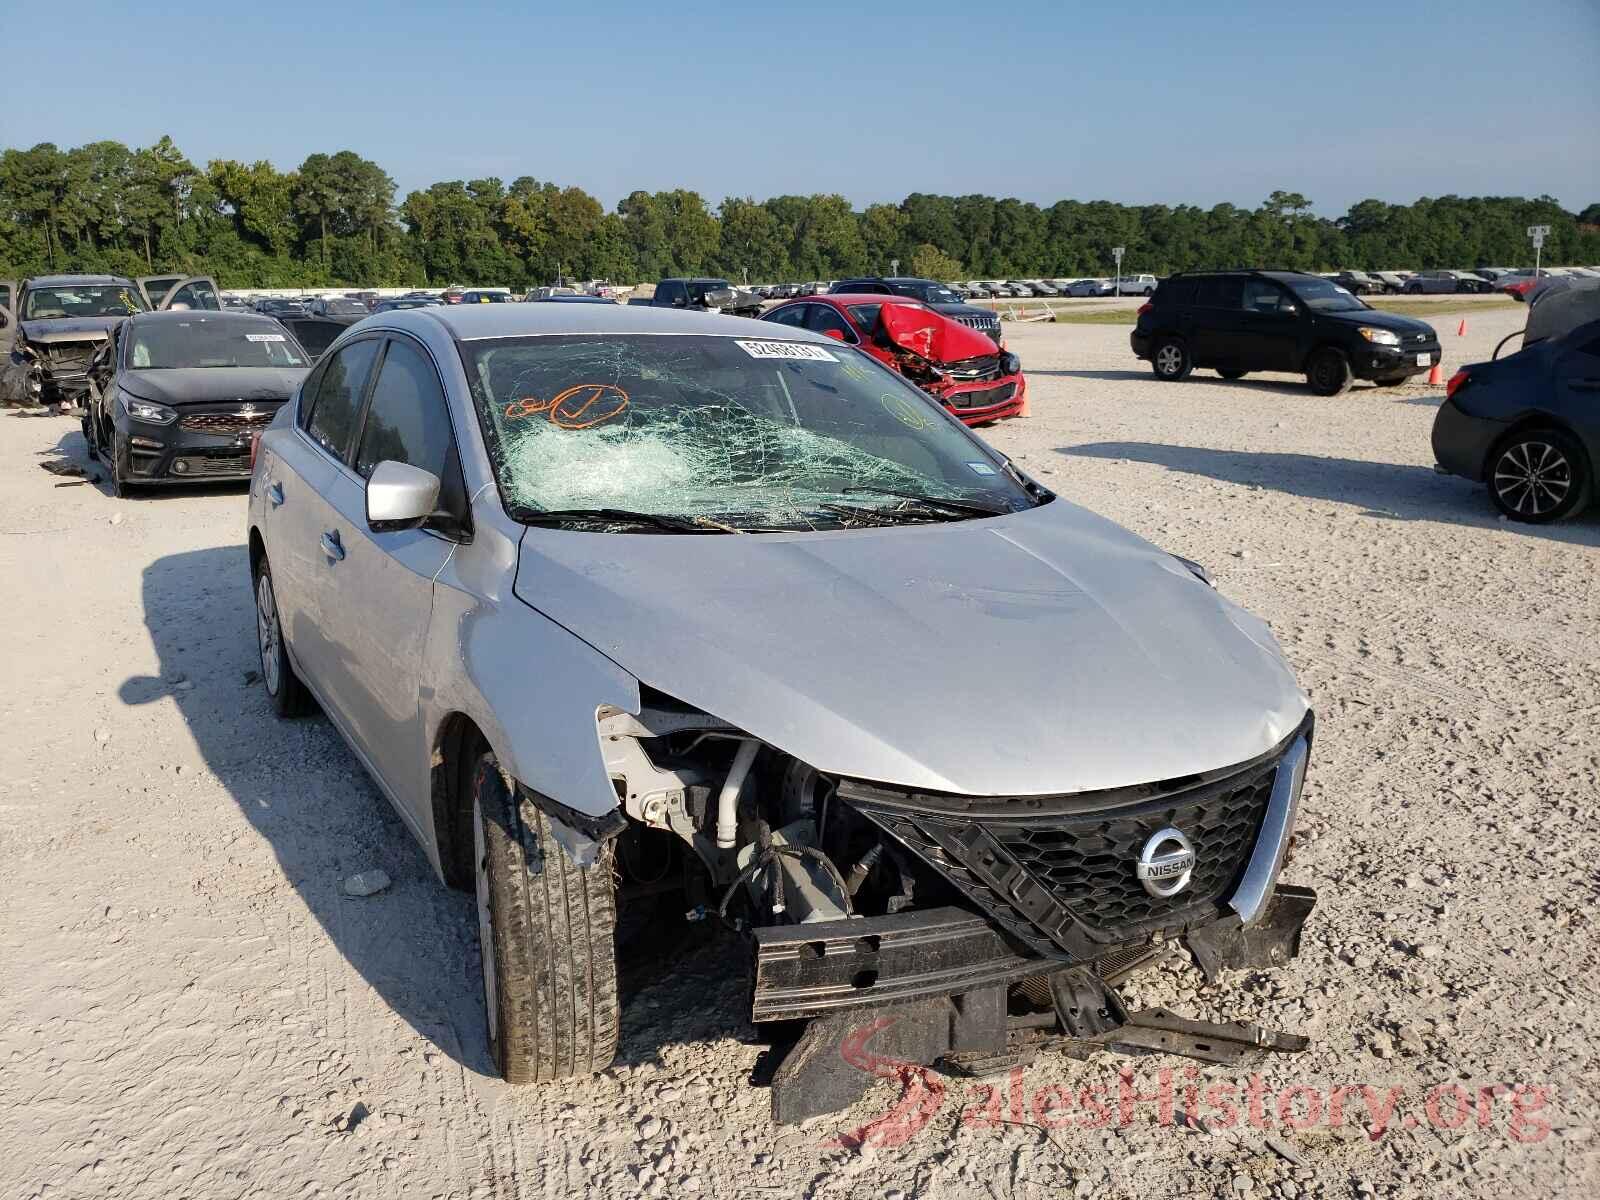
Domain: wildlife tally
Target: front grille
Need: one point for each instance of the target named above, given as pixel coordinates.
(983, 324)
(1088, 862)
(224, 423)
(1057, 873)
(214, 465)
(983, 399)
(968, 370)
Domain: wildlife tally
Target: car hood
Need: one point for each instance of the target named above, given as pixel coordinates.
(69, 329)
(1379, 319)
(962, 310)
(1035, 653)
(932, 335)
(212, 385)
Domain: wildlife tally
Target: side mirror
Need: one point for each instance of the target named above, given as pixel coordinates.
(4, 320)
(836, 334)
(400, 496)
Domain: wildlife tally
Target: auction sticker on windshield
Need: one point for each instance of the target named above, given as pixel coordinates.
(785, 350)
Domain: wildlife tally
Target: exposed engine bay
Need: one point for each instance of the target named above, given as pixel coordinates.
(989, 928)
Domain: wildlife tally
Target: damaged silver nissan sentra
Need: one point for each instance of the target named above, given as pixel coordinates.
(633, 611)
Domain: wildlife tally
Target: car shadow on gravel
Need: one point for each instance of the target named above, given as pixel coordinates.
(1388, 490)
(415, 944)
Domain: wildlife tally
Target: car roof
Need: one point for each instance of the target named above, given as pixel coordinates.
(861, 298)
(480, 321)
(62, 280)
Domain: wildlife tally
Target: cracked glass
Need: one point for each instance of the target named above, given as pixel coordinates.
(732, 433)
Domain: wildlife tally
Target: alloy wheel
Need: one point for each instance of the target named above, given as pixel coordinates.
(267, 632)
(1533, 478)
(1169, 359)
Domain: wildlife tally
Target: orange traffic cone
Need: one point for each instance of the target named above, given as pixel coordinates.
(1462, 332)
(1023, 411)
(1436, 376)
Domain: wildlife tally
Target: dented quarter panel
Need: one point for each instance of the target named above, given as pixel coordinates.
(530, 685)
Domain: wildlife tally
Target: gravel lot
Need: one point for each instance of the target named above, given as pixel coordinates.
(189, 1007)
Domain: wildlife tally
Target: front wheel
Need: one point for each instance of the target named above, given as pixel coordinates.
(1171, 360)
(1539, 476)
(547, 938)
(1328, 372)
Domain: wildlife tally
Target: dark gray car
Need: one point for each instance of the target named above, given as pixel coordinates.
(1528, 425)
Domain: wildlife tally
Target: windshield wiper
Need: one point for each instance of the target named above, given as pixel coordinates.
(970, 507)
(616, 516)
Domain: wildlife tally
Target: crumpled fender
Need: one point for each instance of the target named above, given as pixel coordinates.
(932, 335)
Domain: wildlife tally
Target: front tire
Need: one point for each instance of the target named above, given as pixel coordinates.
(1171, 360)
(547, 938)
(1539, 476)
(288, 695)
(1328, 372)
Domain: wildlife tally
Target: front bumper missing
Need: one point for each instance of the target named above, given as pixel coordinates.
(932, 987)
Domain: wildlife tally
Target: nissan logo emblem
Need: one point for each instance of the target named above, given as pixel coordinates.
(1165, 864)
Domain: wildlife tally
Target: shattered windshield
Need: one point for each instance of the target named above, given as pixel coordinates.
(734, 434)
(83, 300)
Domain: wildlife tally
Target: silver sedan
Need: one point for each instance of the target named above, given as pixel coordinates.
(635, 611)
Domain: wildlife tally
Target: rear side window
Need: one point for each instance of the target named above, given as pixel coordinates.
(1175, 291)
(791, 314)
(338, 400)
(1220, 291)
(671, 292)
(823, 318)
(407, 420)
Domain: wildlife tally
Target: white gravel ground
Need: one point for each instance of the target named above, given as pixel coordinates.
(190, 1008)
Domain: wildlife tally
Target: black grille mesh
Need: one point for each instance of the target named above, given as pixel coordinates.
(984, 398)
(1088, 862)
(1035, 876)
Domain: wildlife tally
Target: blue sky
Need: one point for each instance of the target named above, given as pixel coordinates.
(1146, 102)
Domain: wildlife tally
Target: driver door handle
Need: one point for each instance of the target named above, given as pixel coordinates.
(275, 494)
(331, 546)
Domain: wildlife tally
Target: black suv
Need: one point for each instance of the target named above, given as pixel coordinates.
(1242, 321)
(935, 295)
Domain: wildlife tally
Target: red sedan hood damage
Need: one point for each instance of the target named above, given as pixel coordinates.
(932, 336)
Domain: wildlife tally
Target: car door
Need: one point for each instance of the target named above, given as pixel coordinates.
(1210, 327)
(386, 577)
(195, 291)
(8, 319)
(1577, 380)
(1269, 331)
(302, 525)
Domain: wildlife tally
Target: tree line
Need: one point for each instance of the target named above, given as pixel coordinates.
(335, 220)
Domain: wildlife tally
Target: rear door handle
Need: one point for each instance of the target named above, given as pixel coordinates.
(331, 546)
(275, 494)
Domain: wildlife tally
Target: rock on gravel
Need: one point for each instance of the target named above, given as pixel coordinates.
(366, 883)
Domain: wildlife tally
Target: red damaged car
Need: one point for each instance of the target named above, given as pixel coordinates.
(958, 366)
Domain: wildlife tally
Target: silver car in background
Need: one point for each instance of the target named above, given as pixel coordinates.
(634, 611)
